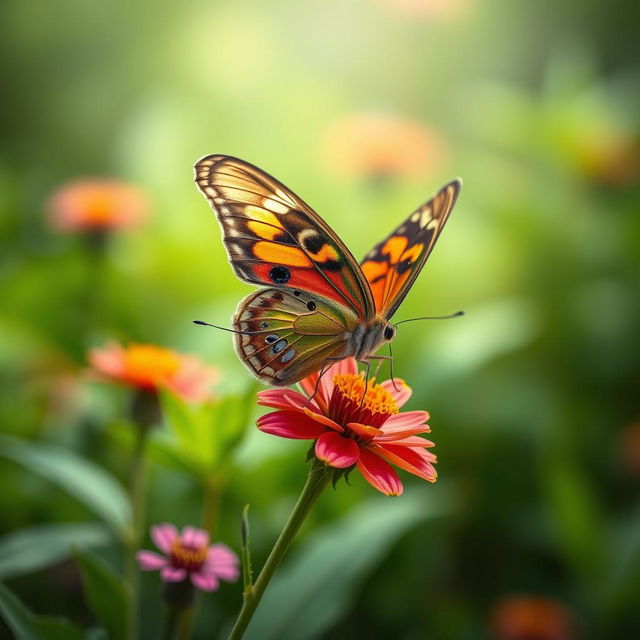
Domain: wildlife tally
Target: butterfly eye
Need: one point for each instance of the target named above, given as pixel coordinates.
(279, 275)
(311, 305)
(389, 332)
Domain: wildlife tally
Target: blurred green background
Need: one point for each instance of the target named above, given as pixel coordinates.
(533, 394)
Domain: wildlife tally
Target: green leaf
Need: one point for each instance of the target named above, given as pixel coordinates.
(314, 589)
(82, 479)
(38, 547)
(201, 438)
(106, 593)
(28, 626)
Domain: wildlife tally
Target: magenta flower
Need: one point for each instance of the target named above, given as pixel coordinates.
(188, 554)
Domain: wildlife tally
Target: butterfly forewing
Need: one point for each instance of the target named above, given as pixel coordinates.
(392, 265)
(272, 237)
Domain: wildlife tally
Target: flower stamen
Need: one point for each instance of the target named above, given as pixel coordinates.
(350, 402)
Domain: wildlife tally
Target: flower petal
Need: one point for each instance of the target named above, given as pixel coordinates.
(378, 473)
(364, 430)
(163, 536)
(204, 581)
(410, 441)
(409, 459)
(221, 554)
(290, 424)
(327, 422)
(194, 537)
(397, 436)
(150, 561)
(399, 389)
(336, 450)
(283, 399)
(172, 574)
(404, 420)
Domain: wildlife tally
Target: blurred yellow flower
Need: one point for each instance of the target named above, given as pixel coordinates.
(151, 368)
(532, 618)
(382, 145)
(96, 204)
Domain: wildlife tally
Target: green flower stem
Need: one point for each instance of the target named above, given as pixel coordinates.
(171, 622)
(212, 492)
(137, 490)
(212, 488)
(316, 482)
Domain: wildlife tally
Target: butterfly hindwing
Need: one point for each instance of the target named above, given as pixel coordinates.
(284, 336)
(392, 265)
(272, 237)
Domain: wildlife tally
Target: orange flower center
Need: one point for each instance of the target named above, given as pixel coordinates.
(187, 557)
(351, 403)
(148, 365)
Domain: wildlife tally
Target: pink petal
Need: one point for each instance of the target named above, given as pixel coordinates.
(194, 537)
(204, 581)
(284, 399)
(378, 473)
(396, 436)
(220, 554)
(171, 574)
(108, 360)
(404, 420)
(403, 392)
(290, 424)
(336, 450)
(408, 459)
(150, 561)
(325, 386)
(163, 536)
(410, 441)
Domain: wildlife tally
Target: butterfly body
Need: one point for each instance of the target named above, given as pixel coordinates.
(318, 305)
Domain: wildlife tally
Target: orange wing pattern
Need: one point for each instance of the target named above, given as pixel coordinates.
(392, 266)
(273, 238)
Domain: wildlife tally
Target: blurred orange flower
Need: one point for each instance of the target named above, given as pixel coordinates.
(628, 445)
(151, 368)
(532, 618)
(96, 204)
(382, 145)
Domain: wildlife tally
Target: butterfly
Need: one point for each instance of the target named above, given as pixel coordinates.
(317, 305)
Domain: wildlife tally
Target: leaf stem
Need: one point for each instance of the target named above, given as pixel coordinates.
(316, 482)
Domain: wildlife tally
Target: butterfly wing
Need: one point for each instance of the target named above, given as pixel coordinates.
(273, 238)
(284, 337)
(392, 266)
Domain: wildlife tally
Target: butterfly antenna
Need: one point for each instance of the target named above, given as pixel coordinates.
(215, 326)
(457, 314)
(366, 383)
(393, 378)
(317, 385)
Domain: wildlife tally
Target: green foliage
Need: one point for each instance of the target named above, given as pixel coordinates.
(315, 587)
(28, 626)
(35, 548)
(78, 476)
(106, 593)
(201, 438)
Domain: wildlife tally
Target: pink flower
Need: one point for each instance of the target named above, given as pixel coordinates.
(150, 367)
(189, 555)
(352, 427)
(92, 204)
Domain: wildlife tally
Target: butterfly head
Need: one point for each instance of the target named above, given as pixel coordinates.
(389, 332)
